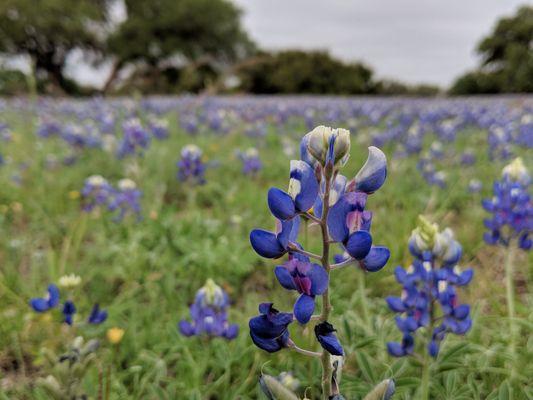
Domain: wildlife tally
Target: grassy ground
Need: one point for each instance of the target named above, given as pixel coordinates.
(146, 273)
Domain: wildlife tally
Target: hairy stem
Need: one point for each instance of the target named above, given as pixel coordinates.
(342, 264)
(326, 305)
(296, 249)
(509, 285)
(424, 388)
(306, 352)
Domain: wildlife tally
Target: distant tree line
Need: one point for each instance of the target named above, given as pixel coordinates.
(175, 46)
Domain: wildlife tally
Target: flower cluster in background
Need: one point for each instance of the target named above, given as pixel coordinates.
(429, 297)
(511, 208)
(209, 314)
(52, 299)
(98, 194)
(191, 167)
(251, 163)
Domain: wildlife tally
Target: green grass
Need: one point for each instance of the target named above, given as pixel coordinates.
(145, 274)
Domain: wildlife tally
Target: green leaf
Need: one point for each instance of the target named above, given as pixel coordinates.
(364, 366)
(505, 391)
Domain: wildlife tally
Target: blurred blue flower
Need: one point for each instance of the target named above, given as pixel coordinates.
(97, 316)
(51, 300)
(209, 314)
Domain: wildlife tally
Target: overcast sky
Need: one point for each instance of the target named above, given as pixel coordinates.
(430, 41)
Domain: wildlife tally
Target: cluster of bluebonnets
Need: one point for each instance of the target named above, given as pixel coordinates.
(124, 199)
(319, 193)
(429, 297)
(52, 300)
(511, 209)
(209, 314)
(191, 167)
(251, 163)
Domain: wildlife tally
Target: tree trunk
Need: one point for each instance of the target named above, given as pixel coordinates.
(117, 66)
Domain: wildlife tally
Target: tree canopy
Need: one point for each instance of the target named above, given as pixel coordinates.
(179, 31)
(296, 71)
(506, 58)
(48, 30)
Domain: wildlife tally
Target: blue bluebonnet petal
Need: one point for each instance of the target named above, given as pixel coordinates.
(325, 334)
(304, 308)
(462, 311)
(288, 231)
(376, 259)
(462, 326)
(304, 152)
(39, 304)
(395, 349)
(69, 309)
(266, 244)
(294, 229)
(373, 173)
(337, 228)
(308, 192)
(281, 204)
(359, 244)
(267, 344)
(232, 331)
(319, 279)
(433, 349)
(97, 316)
(465, 277)
(53, 295)
(186, 328)
(284, 278)
(395, 304)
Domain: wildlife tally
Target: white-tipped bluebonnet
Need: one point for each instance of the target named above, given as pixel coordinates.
(135, 139)
(431, 282)
(158, 127)
(126, 200)
(511, 208)
(251, 163)
(300, 196)
(96, 192)
(209, 314)
(191, 167)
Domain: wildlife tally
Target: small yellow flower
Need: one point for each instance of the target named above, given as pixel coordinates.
(69, 281)
(114, 335)
(73, 195)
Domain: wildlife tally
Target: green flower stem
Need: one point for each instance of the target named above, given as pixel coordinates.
(424, 388)
(326, 305)
(364, 305)
(509, 285)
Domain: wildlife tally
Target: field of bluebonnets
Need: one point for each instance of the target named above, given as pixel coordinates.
(115, 213)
